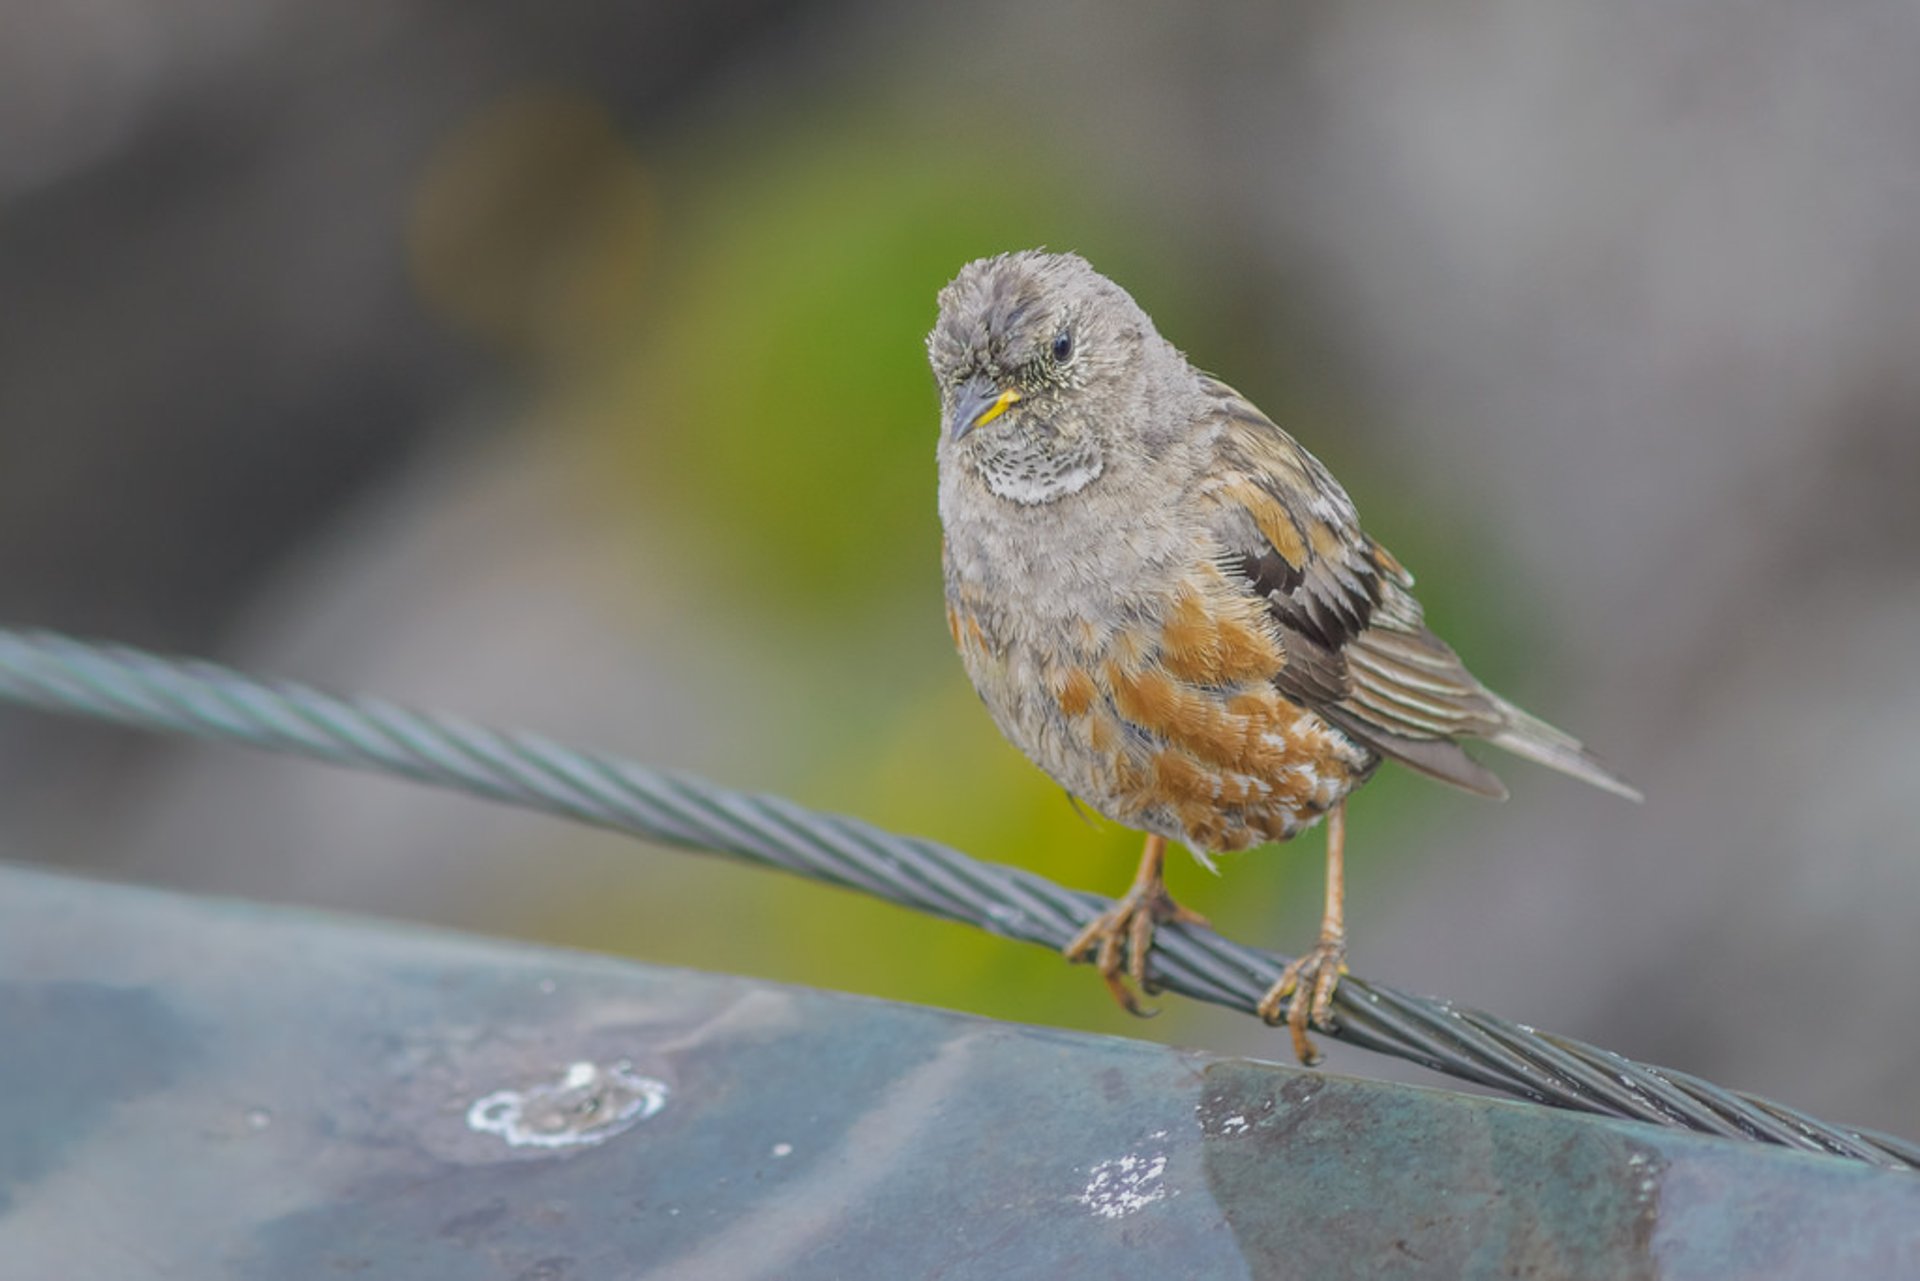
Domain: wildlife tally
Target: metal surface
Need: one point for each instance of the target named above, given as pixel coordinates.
(134, 688)
(215, 1090)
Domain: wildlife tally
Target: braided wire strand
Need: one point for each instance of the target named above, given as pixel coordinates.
(137, 689)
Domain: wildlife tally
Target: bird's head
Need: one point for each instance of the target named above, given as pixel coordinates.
(1043, 367)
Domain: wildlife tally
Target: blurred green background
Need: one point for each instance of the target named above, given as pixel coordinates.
(565, 369)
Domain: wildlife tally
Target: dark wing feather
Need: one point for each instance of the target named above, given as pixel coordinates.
(1357, 650)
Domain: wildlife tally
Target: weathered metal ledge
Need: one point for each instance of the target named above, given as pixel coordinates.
(193, 1088)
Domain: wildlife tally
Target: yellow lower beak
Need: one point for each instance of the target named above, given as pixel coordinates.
(977, 403)
(998, 407)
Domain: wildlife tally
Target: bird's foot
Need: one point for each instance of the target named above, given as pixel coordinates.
(1120, 938)
(1306, 990)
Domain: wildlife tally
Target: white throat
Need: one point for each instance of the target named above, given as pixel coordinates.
(1022, 472)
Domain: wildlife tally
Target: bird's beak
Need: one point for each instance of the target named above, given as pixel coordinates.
(979, 403)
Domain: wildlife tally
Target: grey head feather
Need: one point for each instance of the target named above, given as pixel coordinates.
(1094, 383)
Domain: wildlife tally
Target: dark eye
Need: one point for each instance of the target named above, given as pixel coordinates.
(1062, 347)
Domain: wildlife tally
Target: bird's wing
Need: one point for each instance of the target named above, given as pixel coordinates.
(1356, 649)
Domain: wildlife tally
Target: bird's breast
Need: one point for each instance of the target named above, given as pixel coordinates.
(1150, 698)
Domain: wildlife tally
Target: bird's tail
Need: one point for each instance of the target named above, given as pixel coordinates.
(1531, 737)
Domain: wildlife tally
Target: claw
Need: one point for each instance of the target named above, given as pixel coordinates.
(1307, 985)
(1106, 932)
(1306, 989)
(1121, 937)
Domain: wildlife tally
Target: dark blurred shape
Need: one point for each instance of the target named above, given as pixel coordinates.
(208, 340)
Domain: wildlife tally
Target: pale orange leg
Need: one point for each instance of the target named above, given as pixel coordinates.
(1311, 978)
(1127, 928)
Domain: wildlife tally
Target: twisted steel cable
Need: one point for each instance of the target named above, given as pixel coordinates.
(133, 688)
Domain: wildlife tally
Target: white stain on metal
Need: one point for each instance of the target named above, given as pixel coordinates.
(1126, 1184)
(589, 1104)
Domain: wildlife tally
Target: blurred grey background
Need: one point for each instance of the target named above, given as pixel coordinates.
(561, 365)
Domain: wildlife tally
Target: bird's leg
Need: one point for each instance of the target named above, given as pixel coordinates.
(1127, 927)
(1311, 977)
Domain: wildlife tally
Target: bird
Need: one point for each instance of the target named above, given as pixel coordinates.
(1172, 609)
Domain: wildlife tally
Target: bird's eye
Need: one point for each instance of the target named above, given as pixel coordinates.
(1062, 347)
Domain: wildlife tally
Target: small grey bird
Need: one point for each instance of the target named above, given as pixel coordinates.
(1171, 608)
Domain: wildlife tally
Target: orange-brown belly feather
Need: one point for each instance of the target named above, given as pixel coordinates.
(1174, 727)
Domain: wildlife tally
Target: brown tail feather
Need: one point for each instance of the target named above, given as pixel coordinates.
(1533, 738)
